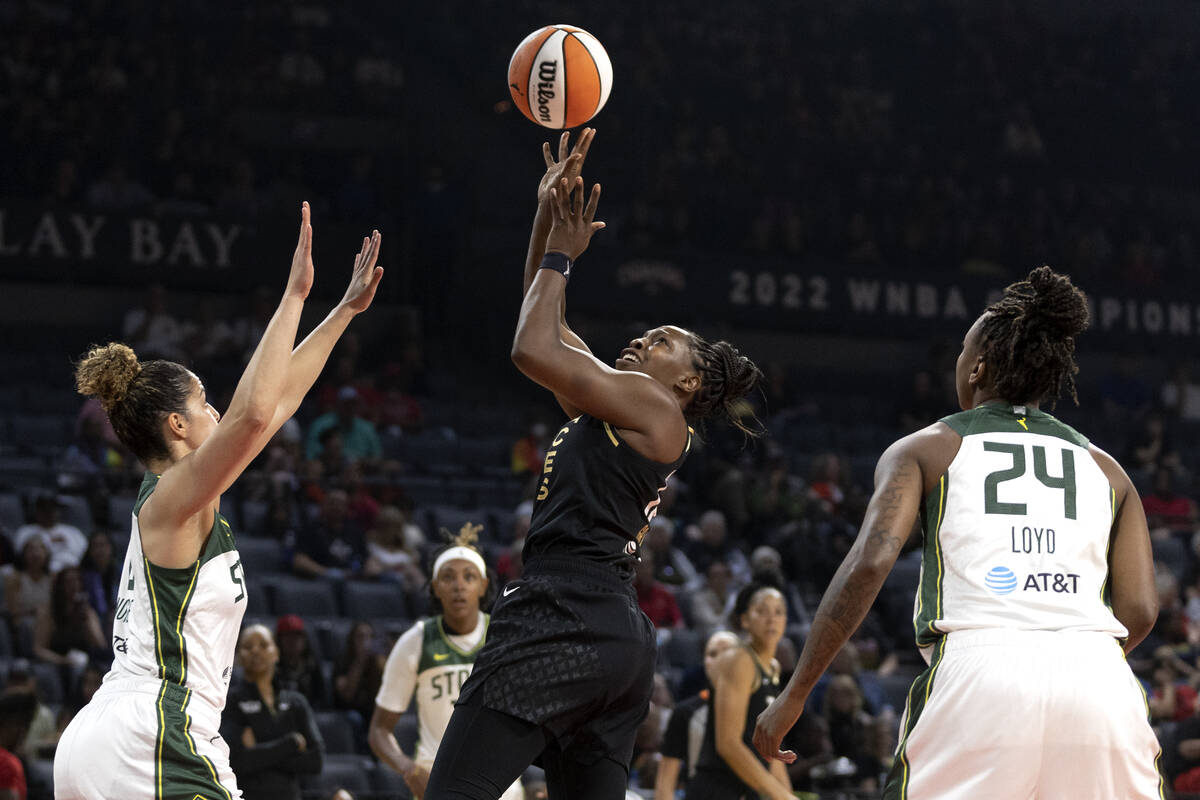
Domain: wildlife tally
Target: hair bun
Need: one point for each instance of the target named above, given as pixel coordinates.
(106, 372)
(1057, 303)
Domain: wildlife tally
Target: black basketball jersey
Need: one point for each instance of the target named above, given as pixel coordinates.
(596, 496)
(709, 760)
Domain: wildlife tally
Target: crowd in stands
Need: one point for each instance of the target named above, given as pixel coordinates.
(974, 137)
(337, 518)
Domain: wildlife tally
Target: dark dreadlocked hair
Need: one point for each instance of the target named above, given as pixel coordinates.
(726, 376)
(1029, 337)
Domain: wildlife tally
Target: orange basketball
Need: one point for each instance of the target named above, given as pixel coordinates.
(560, 76)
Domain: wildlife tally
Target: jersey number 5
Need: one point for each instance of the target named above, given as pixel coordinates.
(233, 573)
(991, 484)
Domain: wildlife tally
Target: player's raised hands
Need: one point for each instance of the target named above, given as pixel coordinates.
(300, 279)
(367, 275)
(569, 163)
(572, 227)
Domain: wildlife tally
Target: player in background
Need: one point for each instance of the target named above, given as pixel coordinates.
(432, 660)
(745, 681)
(1037, 577)
(689, 719)
(151, 730)
(568, 668)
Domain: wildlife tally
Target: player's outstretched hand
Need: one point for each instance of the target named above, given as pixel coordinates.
(366, 277)
(300, 279)
(769, 732)
(572, 227)
(568, 165)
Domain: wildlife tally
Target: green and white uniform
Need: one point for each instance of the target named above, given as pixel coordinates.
(1027, 692)
(433, 664)
(151, 730)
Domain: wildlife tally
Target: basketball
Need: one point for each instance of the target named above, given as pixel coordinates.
(560, 76)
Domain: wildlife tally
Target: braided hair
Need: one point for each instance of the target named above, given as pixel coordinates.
(1028, 337)
(726, 376)
(467, 536)
(137, 396)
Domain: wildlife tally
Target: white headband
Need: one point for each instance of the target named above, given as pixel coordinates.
(465, 553)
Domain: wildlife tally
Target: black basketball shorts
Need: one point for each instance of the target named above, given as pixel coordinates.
(569, 649)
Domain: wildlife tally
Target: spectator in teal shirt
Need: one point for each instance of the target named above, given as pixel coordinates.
(360, 442)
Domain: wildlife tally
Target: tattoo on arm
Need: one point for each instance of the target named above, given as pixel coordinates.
(854, 588)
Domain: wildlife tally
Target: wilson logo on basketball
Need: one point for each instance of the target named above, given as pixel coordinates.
(547, 75)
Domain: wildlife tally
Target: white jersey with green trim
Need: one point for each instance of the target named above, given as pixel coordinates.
(431, 664)
(1016, 533)
(179, 625)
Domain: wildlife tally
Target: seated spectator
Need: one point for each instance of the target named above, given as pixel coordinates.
(152, 331)
(17, 710)
(89, 458)
(298, 669)
(508, 565)
(809, 740)
(41, 736)
(101, 574)
(655, 601)
(360, 442)
(685, 727)
(65, 542)
(1172, 698)
(80, 694)
(358, 673)
(331, 546)
(361, 504)
(399, 410)
(1152, 447)
(272, 736)
(68, 631)
(27, 587)
(767, 559)
(710, 542)
(529, 451)
(1167, 511)
(826, 482)
(389, 551)
(710, 605)
(672, 566)
(1181, 394)
(850, 730)
(924, 406)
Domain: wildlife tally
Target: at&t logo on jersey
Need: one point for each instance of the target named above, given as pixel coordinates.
(1001, 581)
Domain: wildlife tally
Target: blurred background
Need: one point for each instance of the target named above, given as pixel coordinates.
(838, 188)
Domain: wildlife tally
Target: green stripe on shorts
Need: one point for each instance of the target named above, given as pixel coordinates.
(896, 787)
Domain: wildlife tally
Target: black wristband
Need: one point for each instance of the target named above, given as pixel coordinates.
(559, 262)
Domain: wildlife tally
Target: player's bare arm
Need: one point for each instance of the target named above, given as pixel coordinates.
(905, 472)
(632, 401)
(1130, 558)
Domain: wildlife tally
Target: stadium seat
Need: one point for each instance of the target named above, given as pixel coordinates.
(349, 772)
(362, 600)
(895, 689)
(423, 490)
(260, 556)
(120, 511)
(328, 636)
(49, 682)
(76, 511)
(40, 433)
(12, 511)
(336, 730)
(1173, 554)
(308, 598)
(39, 778)
(452, 519)
(685, 648)
(254, 517)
